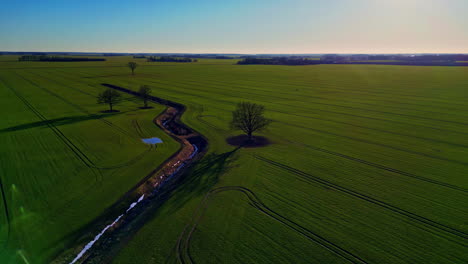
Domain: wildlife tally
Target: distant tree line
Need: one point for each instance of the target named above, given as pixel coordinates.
(56, 58)
(428, 58)
(139, 56)
(439, 57)
(279, 61)
(420, 60)
(169, 59)
(223, 57)
(198, 56)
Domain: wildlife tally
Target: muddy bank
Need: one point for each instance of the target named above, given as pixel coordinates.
(114, 228)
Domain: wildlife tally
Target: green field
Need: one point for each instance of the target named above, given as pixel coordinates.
(368, 163)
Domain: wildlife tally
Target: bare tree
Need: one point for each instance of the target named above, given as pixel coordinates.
(132, 65)
(109, 96)
(145, 94)
(249, 118)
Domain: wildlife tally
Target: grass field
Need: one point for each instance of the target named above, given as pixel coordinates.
(368, 162)
(62, 161)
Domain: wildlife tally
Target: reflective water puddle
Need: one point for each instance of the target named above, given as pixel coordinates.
(152, 141)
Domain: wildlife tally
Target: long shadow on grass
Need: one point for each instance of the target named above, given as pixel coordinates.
(202, 177)
(57, 122)
(195, 182)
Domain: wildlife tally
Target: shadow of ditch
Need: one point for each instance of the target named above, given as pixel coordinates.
(56, 122)
(201, 177)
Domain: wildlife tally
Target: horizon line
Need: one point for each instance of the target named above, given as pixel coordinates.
(234, 53)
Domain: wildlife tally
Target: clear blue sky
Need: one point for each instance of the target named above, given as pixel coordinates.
(235, 26)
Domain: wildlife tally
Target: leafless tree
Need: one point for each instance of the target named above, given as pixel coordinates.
(109, 96)
(249, 118)
(132, 65)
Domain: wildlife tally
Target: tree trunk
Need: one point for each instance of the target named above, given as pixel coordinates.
(146, 103)
(250, 136)
(133, 72)
(110, 105)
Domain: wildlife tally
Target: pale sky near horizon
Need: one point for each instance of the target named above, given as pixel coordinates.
(235, 26)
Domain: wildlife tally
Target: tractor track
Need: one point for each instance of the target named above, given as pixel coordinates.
(370, 128)
(79, 108)
(183, 243)
(7, 213)
(308, 85)
(317, 110)
(334, 105)
(138, 129)
(379, 144)
(355, 138)
(377, 129)
(337, 105)
(78, 153)
(417, 218)
(382, 167)
(83, 157)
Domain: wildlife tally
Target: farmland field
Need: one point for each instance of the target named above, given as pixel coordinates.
(368, 163)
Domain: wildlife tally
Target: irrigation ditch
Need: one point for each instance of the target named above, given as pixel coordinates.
(101, 239)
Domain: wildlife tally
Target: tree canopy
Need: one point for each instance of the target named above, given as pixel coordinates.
(132, 65)
(249, 118)
(109, 96)
(145, 94)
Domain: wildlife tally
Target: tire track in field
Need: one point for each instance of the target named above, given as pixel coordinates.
(87, 160)
(208, 124)
(382, 167)
(308, 86)
(364, 127)
(137, 127)
(81, 109)
(420, 219)
(7, 213)
(200, 116)
(188, 83)
(78, 153)
(262, 93)
(123, 131)
(358, 91)
(379, 144)
(348, 137)
(77, 80)
(289, 113)
(363, 140)
(184, 240)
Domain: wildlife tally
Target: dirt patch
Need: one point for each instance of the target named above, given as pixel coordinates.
(243, 141)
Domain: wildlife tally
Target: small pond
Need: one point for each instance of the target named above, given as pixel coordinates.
(152, 141)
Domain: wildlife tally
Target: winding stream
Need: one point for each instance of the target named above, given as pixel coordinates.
(193, 146)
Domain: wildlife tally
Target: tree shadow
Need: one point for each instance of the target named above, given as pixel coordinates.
(194, 182)
(56, 122)
(245, 142)
(203, 176)
(110, 111)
